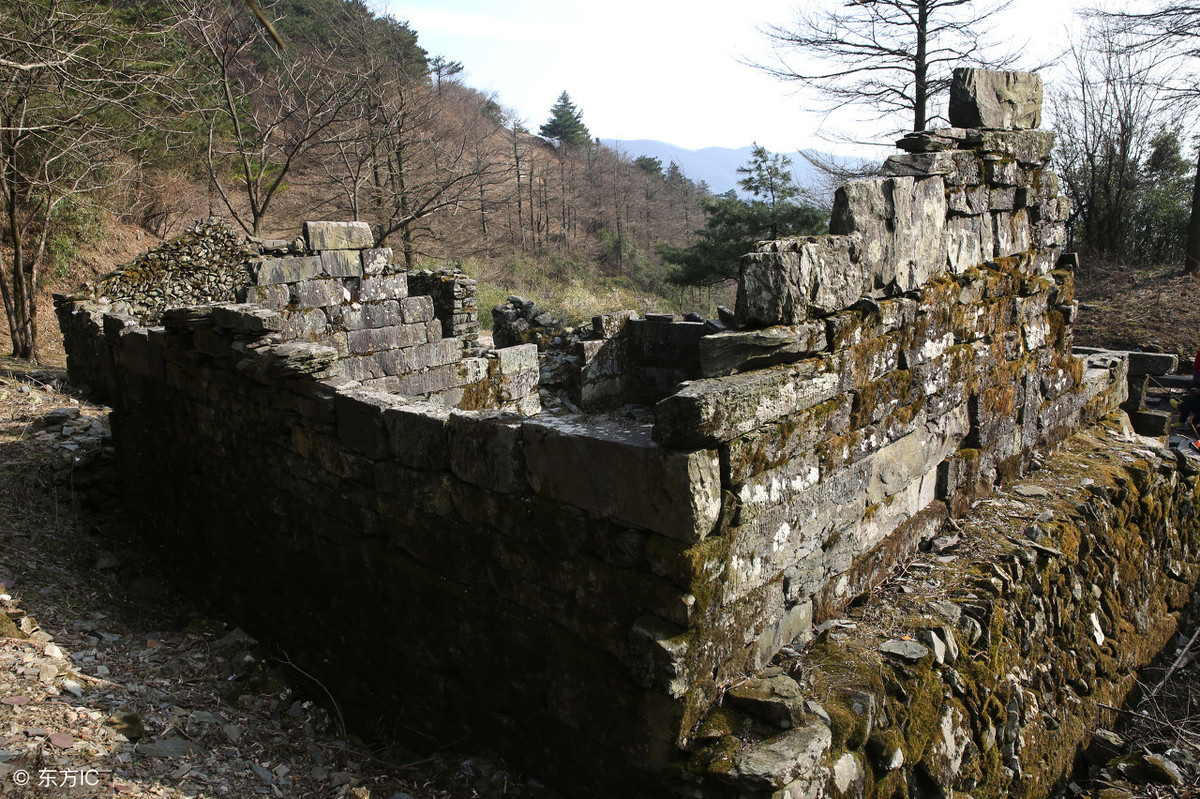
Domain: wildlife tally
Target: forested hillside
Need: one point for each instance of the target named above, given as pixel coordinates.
(156, 114)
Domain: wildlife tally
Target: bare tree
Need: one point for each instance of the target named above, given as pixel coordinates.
(889, 56)
(271, 108)
(1173, 30)
(1108, 112)
(429, 154)
(73, 79)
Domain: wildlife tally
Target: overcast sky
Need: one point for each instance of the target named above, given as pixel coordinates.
(669, 70)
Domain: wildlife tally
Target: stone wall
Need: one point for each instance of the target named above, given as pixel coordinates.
(580, 591)
(337, 299)
(985, 669)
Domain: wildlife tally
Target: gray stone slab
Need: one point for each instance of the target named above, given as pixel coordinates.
(322, 293)
(711, 411)
(376, 261)
(984, 98)
(338, 235)
(360, 424)
(775, 762)
(247, 318)
(1152, 363)
(382, 287)
(741, 350)
(615, 470)
(274, 271)
(418, 435)
(341, 263)
(485, 450)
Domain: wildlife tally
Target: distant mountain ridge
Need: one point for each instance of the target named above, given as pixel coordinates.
(716, 166)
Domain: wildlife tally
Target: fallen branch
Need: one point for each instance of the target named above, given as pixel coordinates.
(1178, 660)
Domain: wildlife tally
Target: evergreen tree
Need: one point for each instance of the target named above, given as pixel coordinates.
(566, 124)
(733, 225)
(650, 165)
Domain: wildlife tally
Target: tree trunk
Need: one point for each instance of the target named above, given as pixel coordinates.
(1191, 261)
(520, 202)
(920, 68)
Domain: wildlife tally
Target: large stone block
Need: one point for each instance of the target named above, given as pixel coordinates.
(485, 450)
(704, 413)
(969, 242)
(615, 470)
(417, 434)
(360, 421)
(275, 271)
(740, 350)
(957, 167)
(338, 235)
(341, 263)
(246, 318)
(319, 293)
(898, 224)
(382, 287)
(984, 98)
(787, 281)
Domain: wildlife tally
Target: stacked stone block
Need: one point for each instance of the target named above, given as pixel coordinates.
(886, 375)
(628, 359)
(335, 289)
(454, 304)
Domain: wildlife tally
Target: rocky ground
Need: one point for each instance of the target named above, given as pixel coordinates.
(114, 684)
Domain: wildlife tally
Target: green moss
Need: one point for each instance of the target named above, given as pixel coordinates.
(8, 629)
(842, 725)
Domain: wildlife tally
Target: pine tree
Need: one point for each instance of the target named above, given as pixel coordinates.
(733, 225)
(566, 124)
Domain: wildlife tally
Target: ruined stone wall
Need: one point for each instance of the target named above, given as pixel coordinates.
(332, 294)
(986, 668)
(579, 590)
(445, 573)
(922, 354)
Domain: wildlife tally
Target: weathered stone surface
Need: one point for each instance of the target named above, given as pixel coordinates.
(485, 450)
(617, 471)
(898, 224)
(338, 235)
(1151, 363)
(293, 358)
(275, 271)
(417, 434)
(246, 318)
(739, 350)
(341, 263)
(785, 282)
(957, 167)
(776, 700)
(610, 325)
(984, 98)
(360, 421)
(712, 411)
(905, 649)
(376, 261)
(778, 761)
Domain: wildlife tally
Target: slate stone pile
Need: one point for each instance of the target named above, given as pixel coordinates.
(207, 264)
(454, 305)
(521, 321)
